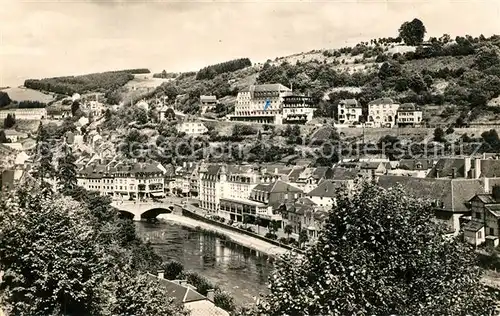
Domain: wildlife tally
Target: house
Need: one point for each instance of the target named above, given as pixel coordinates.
(207, 103)
(412, 167)
(304, 214)
(192, 127)
(382, 112)
(349, 111)
(449, 197)
(298, 109)
(371, 169)
(309, 178)
(14, 136)
(485, 218)
(325, 193)
(185, 294)
(408, 114)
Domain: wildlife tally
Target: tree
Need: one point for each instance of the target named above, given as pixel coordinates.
(288, 230)
(3, 138)
(412, 32)
(57, 261)
(75, 108)
(380, 253)
(9, 121)
(4, 99)
(43, 168)
(66, 171)
(439, 135)
(173, 269)
(303, 237)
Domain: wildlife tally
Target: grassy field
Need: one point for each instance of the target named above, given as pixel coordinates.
(24, 94)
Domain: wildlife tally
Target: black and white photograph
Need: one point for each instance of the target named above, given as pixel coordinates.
(249, 158)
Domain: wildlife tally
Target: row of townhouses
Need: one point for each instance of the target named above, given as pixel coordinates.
(382, 112)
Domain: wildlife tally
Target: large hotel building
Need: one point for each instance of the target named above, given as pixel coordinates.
(272, 103)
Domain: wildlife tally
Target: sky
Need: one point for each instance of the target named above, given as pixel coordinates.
(40, 39)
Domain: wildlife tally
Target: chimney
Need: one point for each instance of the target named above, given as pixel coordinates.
(454, 173)
(486, 182)
(495, 191)
(467, 167)
(211, 295)
(477, 168)
(161, 274)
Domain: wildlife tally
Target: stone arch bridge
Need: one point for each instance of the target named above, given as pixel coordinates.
(143, 210)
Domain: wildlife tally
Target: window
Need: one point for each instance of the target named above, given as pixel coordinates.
(478, 215)
(479, 234)
(492, 231)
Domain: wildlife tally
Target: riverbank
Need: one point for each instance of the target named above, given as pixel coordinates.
(247, 241)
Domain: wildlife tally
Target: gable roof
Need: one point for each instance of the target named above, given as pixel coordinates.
(444, 168)
(415, 164)
(453, 193)
(382, 101)
(350, 103)
(473, 226)
(494, 209)
(277, 186)
(340, 173)
(180, 293)
(327, 188)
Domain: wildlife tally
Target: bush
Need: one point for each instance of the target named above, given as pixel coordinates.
(224, 300)
(450, 130)
(271, 236)
(173, 269)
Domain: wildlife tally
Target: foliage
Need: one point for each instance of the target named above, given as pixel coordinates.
(9, 121)
(210, 72)
(380, 253)
(103, 82)
(4, 99)
(59, 259)
(3, 138)
(412, 32)
(439, 135)
(66, 171)
(173, 269)
(288, 230)
(31, 105)
(43, 168)
(224, 300)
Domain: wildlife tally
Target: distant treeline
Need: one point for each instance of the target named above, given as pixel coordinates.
(31, 105)
(210, 72)
(100, 82)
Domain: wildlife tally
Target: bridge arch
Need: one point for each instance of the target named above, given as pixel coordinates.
(154, 212)
(126, 214)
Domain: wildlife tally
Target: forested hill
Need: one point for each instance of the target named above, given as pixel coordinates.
(101, 82)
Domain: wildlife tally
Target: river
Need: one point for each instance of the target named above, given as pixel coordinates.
(236, 269)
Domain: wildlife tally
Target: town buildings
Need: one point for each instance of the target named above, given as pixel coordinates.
(382, 112)
(25, 114)
(272, 103)
(121, 180)
(408, 114)
(349, 111)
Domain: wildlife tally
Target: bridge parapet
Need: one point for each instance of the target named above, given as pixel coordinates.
(139, 209)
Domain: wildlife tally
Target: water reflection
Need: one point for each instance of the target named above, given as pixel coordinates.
(242, 271)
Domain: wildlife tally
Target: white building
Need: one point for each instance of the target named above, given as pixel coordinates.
(25, 114)
(123, 181)
(251, 103)
(382, 112)
(14, 136)
(298, 109)
(192, 127)
(207, 103)
(349, 111)
(409, 115)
